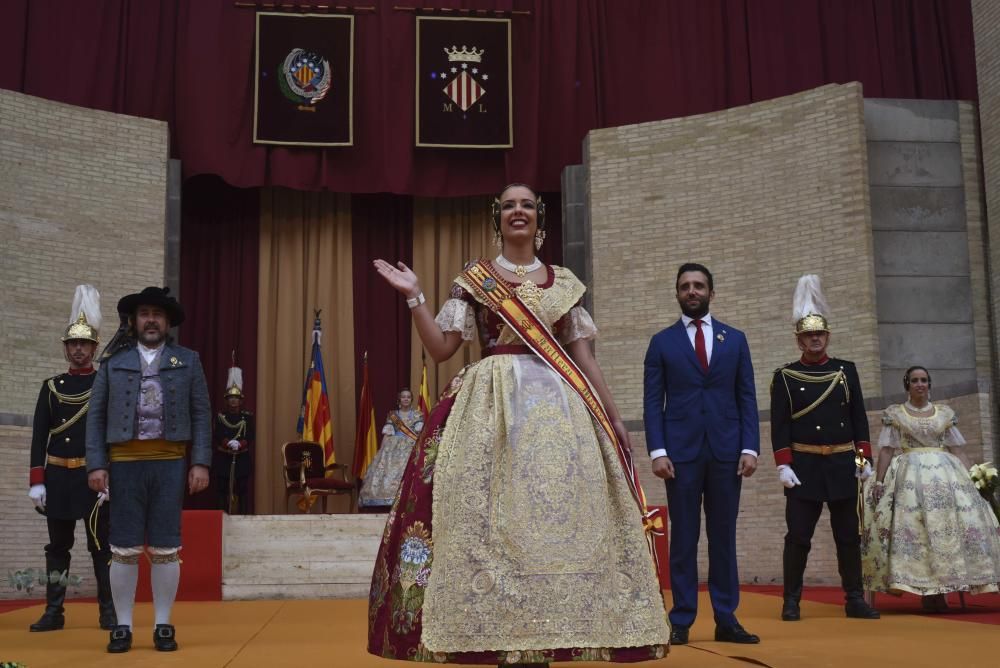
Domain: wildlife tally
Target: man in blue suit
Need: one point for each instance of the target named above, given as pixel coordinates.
(700, 412)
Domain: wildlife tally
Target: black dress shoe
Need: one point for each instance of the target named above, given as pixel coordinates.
(163, 638)
(790, 611)
(679, 635)
(857, 608)
(121, 640)
(735, 633)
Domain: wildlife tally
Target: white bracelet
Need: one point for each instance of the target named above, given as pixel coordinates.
(414, 302)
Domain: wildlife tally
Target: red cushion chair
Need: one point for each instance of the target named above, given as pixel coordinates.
(307, 477)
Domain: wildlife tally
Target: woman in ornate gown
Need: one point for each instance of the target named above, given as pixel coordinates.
(927, 530)
(400, 433)
(516, 536)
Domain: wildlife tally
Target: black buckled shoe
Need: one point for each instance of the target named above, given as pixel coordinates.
(736, 634)
(163, 638)
(679, 634)
(790, 611)
(121, 640)
(859, 609)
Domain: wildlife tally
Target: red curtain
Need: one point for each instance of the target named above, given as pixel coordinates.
(381, 227)
(219, 263)
(578, 65)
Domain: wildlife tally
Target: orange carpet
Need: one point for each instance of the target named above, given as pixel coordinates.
(332, 633)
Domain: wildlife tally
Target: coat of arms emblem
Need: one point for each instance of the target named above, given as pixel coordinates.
(464, 77)
(305, 77)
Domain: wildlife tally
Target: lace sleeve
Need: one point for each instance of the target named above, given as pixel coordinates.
(953, 438)
(577, 325)
(889, 438)
(457, 315)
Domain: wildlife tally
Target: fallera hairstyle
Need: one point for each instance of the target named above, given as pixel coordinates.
(906, 376)
(694, 266)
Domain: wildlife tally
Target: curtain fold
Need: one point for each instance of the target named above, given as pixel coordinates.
(218, 288)
(577, 65)
(382, 227)
(305, 264)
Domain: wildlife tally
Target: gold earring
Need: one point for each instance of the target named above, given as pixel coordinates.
(497, 239)
(539, 239)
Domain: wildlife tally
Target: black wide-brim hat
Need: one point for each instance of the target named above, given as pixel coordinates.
(153, 296)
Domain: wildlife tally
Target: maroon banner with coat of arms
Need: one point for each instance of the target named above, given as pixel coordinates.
(464, 83)
(304, 83)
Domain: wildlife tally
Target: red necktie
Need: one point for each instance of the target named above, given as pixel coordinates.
(699, 346)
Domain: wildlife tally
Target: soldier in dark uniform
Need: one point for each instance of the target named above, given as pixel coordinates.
(819, 432)
(58, 475)
(233, 438)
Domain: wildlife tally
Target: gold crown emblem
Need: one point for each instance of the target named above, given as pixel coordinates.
(464, 55)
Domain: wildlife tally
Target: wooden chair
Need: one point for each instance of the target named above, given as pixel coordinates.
(307, 477)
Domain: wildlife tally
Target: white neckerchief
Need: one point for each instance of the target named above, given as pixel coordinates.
(149, 353)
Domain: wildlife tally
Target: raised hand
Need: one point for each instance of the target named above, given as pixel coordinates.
(399, 277)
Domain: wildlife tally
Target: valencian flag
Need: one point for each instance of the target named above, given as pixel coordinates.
(424, 402)
(304, 79)
(464, 83)
(365, 440)
(314, 418)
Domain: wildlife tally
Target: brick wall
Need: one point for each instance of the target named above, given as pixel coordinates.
(82, 197)
(986, 29)
(760, 194)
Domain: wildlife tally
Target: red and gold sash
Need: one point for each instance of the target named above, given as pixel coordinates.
(499, 296)
(398, 423)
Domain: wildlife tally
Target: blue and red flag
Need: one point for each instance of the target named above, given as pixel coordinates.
(314, 418)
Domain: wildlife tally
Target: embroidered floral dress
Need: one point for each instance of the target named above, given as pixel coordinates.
(514, 536)
(386, 469)
(931, 532)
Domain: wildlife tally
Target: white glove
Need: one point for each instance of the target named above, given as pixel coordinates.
(102, 497)
(787, 476)
(37, 496)
(234, 445)
(864, 473)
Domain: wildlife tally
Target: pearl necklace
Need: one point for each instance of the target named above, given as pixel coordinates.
(914, 409)
(519, 269)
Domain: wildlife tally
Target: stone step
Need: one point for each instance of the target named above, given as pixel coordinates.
(299, 556)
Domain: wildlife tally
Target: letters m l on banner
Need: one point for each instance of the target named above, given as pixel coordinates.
(464, 83)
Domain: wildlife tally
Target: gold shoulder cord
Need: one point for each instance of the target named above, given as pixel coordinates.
(73, 400)
(240, 426)
(832, 378)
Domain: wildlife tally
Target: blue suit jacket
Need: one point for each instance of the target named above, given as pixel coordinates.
(685, 407)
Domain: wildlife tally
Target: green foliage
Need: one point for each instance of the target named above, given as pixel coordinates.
(27, 579)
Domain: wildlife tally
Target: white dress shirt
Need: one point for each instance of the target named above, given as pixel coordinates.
(149, 353)
(707, 332)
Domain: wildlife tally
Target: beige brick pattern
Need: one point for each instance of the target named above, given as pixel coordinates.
(82, 200)
(760, 194)
(986, 29)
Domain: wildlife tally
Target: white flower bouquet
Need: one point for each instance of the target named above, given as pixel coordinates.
(984, 477)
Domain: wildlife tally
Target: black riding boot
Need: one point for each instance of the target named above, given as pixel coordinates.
(55, 595)
(794, 567)
(105, 603)
(849, 565)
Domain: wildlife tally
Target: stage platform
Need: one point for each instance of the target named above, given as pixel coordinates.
(332, 632)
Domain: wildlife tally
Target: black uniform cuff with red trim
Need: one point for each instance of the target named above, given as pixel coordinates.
(37, 475)
(783, 457)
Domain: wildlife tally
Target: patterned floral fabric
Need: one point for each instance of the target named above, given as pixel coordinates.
(931, 532)
(386, 469)
(514, 537)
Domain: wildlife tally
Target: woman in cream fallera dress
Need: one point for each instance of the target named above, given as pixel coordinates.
(514, 537)
(927, 530)
(383, 474)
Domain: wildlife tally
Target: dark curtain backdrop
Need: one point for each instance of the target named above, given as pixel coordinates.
(578, 65)
(381, 227)
(219, 268)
